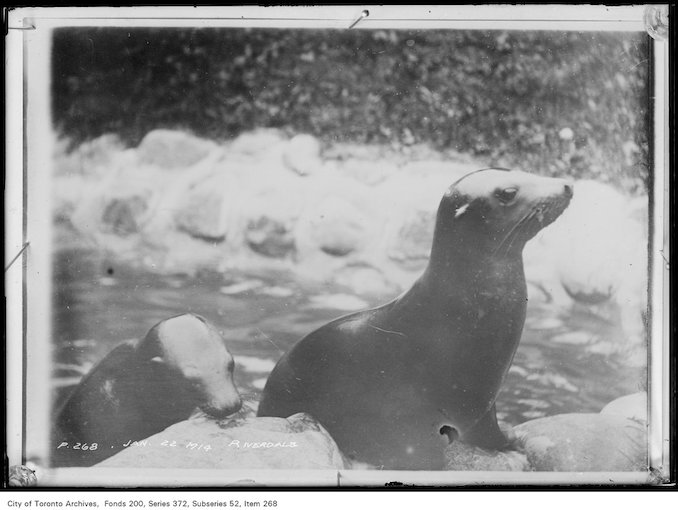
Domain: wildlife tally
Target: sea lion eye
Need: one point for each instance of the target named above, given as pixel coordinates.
(506, 195)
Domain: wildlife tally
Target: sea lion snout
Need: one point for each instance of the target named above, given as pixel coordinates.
(562, 188)
(554, 203)
(223, 406)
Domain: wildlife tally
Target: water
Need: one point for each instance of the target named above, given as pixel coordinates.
(98, 303)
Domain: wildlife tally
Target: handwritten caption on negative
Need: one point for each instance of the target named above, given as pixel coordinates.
(190, 445)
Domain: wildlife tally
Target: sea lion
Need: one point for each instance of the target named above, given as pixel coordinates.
(394, 384)
(142, 387)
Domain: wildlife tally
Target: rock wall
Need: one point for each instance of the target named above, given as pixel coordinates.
(355, 215)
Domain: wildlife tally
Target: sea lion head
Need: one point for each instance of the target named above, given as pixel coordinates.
(189, 363)
(498, 210)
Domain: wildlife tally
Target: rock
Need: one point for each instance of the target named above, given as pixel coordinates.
(67, 193)
(204, 202)
(257, 142)
(21, 476)
(200, 216)
(90, 176)
(460, 456)
(339, 227)
(90, 159)
(340, 224)
(412, 199)
(270, 237)
(596, 241)
(123, 215)
(297, 442)
(111, 209)
(172, 149)
(544, 288)
(412, 247)
(596, 255)
(584, 442)
(302, 155)
(272, 202)
(633, 407)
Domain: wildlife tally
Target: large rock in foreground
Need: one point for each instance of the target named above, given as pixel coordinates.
(584, 443)
(297, 442)
(633, 407)
(460, 456)
(614, 440)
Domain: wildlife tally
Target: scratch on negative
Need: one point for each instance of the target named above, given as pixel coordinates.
(268, 338)
(387, 331)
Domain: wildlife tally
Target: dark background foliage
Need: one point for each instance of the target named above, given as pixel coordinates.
(504, 97)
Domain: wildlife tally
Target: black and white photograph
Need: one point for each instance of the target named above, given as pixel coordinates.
(340, 247)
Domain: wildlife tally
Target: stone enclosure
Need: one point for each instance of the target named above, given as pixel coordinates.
(359, 216)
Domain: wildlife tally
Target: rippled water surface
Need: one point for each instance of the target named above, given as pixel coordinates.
(97, 304)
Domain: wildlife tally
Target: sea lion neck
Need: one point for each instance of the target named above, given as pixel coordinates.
(460, 254)
(445, 276)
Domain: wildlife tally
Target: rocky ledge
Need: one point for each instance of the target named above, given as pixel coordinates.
(614, 440)
(298, 442)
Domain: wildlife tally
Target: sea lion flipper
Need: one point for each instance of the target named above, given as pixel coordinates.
(486, 433)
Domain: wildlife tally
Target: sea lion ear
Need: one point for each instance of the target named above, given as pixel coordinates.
(461, 210)
(456, 201)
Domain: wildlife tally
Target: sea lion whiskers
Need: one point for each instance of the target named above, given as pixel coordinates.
(540, 212)
(537, 215)
(247, 408)
(515, 230)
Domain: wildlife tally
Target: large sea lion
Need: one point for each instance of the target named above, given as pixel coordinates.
(393, 384)
(142, 387)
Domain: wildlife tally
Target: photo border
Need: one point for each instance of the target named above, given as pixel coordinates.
(28, 222)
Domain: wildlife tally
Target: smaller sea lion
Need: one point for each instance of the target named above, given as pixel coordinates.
(142, 387)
